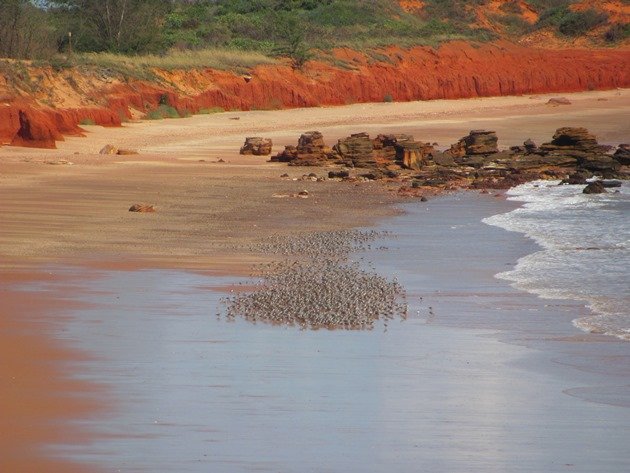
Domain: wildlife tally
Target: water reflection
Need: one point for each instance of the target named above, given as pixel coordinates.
(195, 393)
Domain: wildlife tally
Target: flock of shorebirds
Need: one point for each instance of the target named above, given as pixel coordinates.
(315, 286)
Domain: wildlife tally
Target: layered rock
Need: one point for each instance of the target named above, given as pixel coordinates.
(622, 154)
(576, 143)
(357, 150)
(257, 146)
(311, 150)
(402, 150)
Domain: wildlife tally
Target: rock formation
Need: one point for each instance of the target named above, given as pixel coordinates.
(596, 187)
(622, 154)
(357, 150)
(257, 146)
(310, 151)
(580, 145)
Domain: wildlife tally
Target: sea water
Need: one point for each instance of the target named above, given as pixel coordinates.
(585, 250)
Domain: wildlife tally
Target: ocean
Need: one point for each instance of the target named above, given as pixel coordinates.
(584, 250)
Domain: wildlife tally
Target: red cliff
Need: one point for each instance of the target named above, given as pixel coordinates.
(455, 70)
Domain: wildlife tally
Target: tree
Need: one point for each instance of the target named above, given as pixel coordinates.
(25, 30)
(124, 26)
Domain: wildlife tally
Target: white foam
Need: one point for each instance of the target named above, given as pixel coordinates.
(585, 255)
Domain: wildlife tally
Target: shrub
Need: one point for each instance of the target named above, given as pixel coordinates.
(579, 22)
(87, 121)
(617, 32)
(163, 111)
(388, 98)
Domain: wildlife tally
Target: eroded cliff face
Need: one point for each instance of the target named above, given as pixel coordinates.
(455, 70)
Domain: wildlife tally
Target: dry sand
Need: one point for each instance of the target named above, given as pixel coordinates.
(209, 214)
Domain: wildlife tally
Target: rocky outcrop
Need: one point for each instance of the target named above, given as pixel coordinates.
(473, 149)
(402, 150)
(622, 154)
(356, 151)
(257, 146)
(577, 143)
(310, 151)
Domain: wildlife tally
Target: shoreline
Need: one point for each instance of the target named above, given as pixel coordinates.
(163, 302)
(209, 213)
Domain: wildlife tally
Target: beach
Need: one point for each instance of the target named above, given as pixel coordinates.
(119, 310)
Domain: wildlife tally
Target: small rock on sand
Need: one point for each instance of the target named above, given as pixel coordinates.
(143, 208)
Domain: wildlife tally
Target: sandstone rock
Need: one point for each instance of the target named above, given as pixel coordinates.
(530, 146)
(536, 161)
(144, 208)
(599, 163)
(257, 146)
(622, 154)
(572, 137)
(579, 144)
(443, 159)
(356, 150)
(310, 151)
(287, 155)
(558, 101)
(385, 147)
(108, 149)
(481, 142)
(595, 187)
(413, 154)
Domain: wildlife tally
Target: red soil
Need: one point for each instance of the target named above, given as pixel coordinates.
(455, 70)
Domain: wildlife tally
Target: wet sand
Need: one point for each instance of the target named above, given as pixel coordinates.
(480, 377)
(209, 215)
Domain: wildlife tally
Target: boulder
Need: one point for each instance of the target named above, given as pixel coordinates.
(257, 146)
(596, 187)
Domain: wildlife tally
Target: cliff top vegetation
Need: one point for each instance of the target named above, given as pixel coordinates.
(254, 31)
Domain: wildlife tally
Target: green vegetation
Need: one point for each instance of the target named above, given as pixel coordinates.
(156, 28)
(87, 121)
(130, 37)
(617, 32)
(570, 23)
(163, 111)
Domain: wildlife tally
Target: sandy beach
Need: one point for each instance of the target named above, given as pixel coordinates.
(113, 349)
